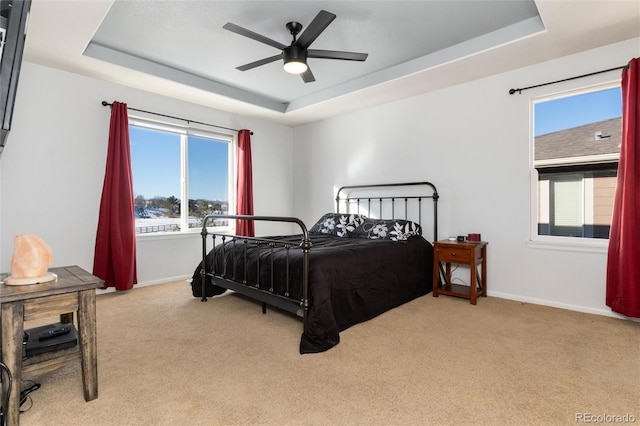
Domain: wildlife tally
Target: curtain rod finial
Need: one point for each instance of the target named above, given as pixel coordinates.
(105, 103)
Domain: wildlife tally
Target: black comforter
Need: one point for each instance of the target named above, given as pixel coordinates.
(351, 280)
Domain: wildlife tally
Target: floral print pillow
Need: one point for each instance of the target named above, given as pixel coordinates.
(337, 224)
(395, 229)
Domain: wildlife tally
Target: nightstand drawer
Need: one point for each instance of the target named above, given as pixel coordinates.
(454, 255)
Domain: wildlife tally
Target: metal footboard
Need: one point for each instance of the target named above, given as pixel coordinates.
(236, 280)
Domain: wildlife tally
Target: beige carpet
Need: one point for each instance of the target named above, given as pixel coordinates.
(165, 358)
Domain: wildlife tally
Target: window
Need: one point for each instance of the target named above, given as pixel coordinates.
(172, 164)
(576, 147)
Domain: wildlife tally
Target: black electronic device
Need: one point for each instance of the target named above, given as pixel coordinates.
(52, 333)
(13, 30)
(47, 338)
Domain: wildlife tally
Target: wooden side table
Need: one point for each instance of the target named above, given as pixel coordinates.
(466, 253)
(73, 291)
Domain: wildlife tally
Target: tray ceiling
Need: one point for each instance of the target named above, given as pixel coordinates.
(179, 48)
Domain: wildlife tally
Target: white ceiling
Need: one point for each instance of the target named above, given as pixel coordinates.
(178, 48)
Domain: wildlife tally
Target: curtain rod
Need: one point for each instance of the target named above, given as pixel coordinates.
(105, 103)
(512, 91)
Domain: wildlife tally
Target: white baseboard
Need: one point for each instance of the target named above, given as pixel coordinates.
(596, 311)
(147, 283)
(508, 296)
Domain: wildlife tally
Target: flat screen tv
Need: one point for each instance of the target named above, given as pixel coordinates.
(13, 31)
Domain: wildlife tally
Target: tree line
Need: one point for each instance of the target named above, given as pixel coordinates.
(171, 205)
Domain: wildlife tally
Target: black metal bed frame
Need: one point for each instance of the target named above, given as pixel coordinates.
(284, 301)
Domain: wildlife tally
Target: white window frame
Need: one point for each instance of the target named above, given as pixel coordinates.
(552, 242)
(192, 129)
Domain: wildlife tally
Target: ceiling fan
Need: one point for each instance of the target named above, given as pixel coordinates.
(295, 55)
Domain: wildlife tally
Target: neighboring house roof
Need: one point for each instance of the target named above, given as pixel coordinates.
(581, 141)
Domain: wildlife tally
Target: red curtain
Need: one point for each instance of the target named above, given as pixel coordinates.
(244, 185)
(115, 252)
(623, 263)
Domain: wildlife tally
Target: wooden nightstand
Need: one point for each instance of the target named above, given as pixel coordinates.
(74, 290)
(467, 253)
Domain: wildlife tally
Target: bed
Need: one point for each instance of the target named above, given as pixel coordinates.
(349, 267)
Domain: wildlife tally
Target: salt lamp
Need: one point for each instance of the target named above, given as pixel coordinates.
(31, 257)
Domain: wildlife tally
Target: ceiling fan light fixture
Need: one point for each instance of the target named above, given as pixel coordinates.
(295, 67)
(295, 60)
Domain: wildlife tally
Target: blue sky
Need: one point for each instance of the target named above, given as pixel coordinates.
(565, 113)
(155, 158)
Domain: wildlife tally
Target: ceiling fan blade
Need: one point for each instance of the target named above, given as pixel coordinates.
(255, 36)
(260, 62)
(315, 28)
(307, 76)
(336, 54)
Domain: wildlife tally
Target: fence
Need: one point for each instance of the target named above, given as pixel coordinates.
(174, 227)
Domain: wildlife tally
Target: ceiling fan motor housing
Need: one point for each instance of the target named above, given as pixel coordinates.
(294, 53)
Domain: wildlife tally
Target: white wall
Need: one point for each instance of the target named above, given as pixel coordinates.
(472, 142)
(52, 169)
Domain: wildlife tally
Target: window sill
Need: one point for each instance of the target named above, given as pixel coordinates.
(562, 244)
(167, 235)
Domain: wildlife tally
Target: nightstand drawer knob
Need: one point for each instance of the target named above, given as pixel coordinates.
(453, 253)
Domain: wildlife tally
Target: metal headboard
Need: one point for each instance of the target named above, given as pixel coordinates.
(344, 197)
